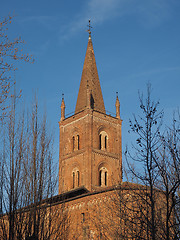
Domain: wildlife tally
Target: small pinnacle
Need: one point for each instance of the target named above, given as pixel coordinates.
(116, 94)
(63, 96)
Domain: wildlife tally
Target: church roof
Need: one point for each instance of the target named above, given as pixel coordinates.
(90, 79)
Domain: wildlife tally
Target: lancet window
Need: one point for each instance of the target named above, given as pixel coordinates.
(103, 141)
(75, 142)
(75, 178)
(103, 177)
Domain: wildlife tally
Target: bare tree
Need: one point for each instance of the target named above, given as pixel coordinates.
(156, 161)
(168, 162)
(147, 129)
(10, 52)
(28, 179)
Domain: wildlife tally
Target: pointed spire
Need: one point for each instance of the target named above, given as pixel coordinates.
(88, 104)
(90, 73)
(117, 106)
(62, 108)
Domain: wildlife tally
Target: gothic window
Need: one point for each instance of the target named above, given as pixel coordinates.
(75, 142)
(103, 141)
(100, 173)
(103, 177)
(100, 141)
(76, 178)
(73, 179)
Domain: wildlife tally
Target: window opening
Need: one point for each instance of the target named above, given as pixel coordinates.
(83, 217)
(100, 142)
(100, 176)
(73, 179)
(76, 145)
(78, 142)
(78, 178)
(105, 142)
(73, 143)
(105, 178)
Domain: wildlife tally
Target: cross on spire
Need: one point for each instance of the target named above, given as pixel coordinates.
(89, 28)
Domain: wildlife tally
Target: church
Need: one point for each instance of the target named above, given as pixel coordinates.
(93, 201)
(100, 205)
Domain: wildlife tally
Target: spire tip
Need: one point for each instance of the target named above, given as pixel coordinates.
(116, 94)
(89, 29)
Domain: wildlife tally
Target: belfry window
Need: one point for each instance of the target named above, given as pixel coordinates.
(103, 177)
(100, 173)
(100, 141)
(78, 178)
(75, 143)
(75, 178)
(103, 141)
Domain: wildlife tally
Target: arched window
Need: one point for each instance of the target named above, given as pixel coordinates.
(103, 177)
(75, 178)
(100, 173)
(75, 143)
(100, 146)
(103, 141)
(78, 178)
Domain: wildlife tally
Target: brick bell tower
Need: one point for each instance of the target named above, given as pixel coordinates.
(90, 150)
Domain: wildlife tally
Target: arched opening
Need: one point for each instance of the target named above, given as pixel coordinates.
(100, 173)
(78, 178)
(103, 141)
(103, 177)
(75, 178)
(100, 142)
(75, 142)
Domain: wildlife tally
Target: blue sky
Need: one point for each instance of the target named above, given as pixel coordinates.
(135, 42)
